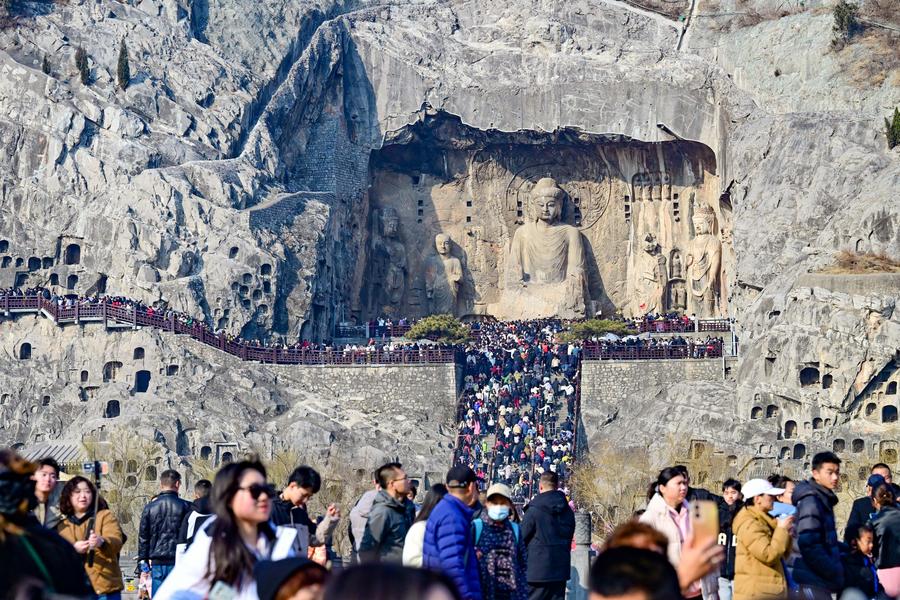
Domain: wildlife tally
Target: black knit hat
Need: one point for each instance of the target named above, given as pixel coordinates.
(270, 574)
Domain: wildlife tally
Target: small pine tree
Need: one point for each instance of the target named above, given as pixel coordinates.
(123, 71)
(845, 21)
(45, 65)
(81, 62)
(892, 129)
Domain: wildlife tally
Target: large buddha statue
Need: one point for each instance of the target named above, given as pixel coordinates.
(443, 273)
(545, 269)
(704, 260)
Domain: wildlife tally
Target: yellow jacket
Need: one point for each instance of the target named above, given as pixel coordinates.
(758, 571)
(105, 574)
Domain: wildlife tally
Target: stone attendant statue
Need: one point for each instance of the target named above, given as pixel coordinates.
(545, 269)
(389, 258)
(652, 278)
(704, 260)
(443, 273)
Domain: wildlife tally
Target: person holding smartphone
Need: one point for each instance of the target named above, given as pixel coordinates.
(762, 544)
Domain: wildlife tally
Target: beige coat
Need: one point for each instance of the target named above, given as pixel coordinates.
(105, 574)
(761, 546)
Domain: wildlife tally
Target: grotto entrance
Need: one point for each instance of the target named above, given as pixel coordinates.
(639, 209)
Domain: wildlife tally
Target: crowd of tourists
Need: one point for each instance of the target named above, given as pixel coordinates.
(241, 538)
(517, 409)
(656, 347)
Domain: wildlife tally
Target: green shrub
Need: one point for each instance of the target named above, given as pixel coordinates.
(123, 72)
(892, 129)
(81, 63)
(595, 328)
(444, 329)
(845, 21)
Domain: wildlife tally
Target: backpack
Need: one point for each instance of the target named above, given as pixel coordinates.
(478, 528)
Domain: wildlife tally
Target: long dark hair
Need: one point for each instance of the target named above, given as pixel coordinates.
(664, 477)
(434, 495)
(383, 581)
(229, 559)
(65, 496)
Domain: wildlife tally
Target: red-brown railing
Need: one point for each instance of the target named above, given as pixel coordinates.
(135, 317)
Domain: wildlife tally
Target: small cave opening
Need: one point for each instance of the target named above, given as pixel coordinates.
(809, 376)
(72, 254)
(141, 382)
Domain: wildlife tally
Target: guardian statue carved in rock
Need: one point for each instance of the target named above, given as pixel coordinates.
(704, 261)
(545, 268)
(443, 274)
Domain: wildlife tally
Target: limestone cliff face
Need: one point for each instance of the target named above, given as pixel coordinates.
(238, 175)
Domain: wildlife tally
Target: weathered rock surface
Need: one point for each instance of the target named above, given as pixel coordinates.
(232, 180)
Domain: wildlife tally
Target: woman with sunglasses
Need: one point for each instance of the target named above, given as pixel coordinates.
(220, 561)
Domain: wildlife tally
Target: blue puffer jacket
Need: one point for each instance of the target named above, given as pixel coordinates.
(449, 546)
(819, 564)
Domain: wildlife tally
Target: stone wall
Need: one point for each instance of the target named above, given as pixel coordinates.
(612, 390)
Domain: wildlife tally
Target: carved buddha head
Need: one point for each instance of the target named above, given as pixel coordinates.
(390, 222)
(547, 201)
(704, 220)
(442, 244)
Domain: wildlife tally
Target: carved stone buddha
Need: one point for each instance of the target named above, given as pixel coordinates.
(545, 268)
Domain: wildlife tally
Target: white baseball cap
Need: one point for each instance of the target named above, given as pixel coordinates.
(755, 487)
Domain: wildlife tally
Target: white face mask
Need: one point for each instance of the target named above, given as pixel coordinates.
(498, 513)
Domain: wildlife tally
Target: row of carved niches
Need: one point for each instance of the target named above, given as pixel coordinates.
(647, 221)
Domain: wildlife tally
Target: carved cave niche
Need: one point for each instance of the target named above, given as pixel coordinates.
(858, 446)
(47, 262)
(888, 451)
(138, 353)
(72, 255)
(799, 451)
(771, 411)
(25, 351)
(112, 409)
(205, 452)
(141, 382)
(71, 282)
(889, 414)
(891, 389)
(790, 430)
(4, 246)
(110, 370)
(785, 452)
(478, 193)
(838, 445)
(871, 407)
(756, 412)
(809, 376)
(34, 263)
(54, 279)
(817, 423)
(827, 381)
(150, 473)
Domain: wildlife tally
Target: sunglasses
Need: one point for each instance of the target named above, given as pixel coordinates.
(258, 489)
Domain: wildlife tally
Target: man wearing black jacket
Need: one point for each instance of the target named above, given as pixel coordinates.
(547, 529)
(818, 571)
(862, 507)
(160, 527)
(289, 509)
(200, 512)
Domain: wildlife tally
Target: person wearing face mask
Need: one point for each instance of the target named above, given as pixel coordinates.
(502, 557)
